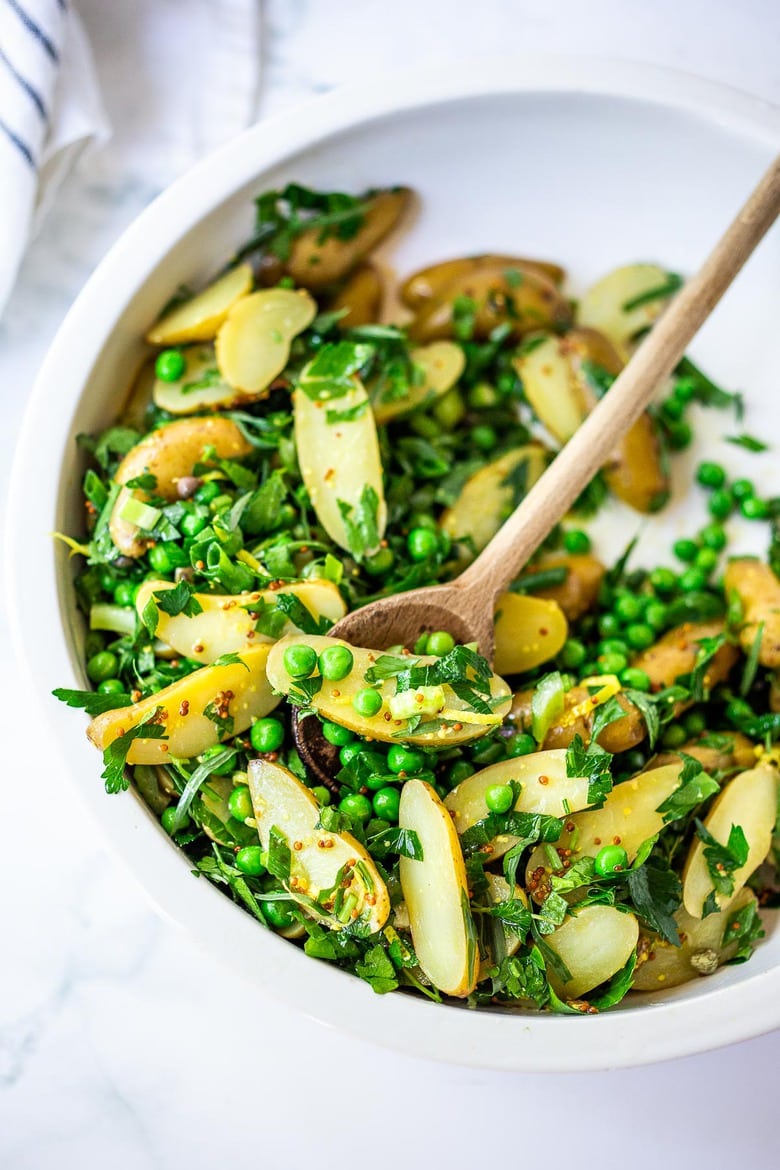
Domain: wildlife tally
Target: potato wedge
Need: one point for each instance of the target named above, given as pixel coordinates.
(749, 801)
(674, 655)
(361, 296)
(594, 943)
(226, 624)
(546, 788)
(618, 736)
(316, 263)
(339, 461)
(334, 700)
(628, 817)
(521, 299)
(491, 494)
(704, 948)
(199, 318)
(529, 631)
(319, 859)
(735, 751)
(579, 591)
(168, 454)
(441, 364)
(551, 386)
(240, 692)
(253, 344)
(758, 590)
(606, 304)
(201, 386)
(430, 283)
(435, 890)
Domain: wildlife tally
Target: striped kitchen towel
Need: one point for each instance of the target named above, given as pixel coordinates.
(50, 109)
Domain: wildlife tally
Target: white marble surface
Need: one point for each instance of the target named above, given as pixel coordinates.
(120, 1042)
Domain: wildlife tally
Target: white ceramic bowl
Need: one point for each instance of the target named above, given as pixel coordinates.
(590, 163)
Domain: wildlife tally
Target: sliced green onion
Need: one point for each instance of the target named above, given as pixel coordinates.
(135, 511)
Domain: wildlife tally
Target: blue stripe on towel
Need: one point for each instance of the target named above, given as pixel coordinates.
(35, 29)
(22, 147)
(29, 89)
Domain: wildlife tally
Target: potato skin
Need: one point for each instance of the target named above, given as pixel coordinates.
(579, 592)
(739, 753)
(618, 736)
(430, 282)
(675, 654)
(759, 591)
(361, 295)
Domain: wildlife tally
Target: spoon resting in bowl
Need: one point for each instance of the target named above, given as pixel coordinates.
(465, 606)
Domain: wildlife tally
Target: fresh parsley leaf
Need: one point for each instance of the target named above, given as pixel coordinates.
(332, 417)
(218, 711)
(90, 701)
(279, 855)
(361, 522)
(377, 970)
(300, 616)
(743, 927)
(388, 666)
(552, 912)
(694, 788)
(180, 599)
(592, 763)
(647, 707)
(577, 875)
(331, 373)
(404, 842)
(657, 895)
(514, 915)
(722, 860)
(115, 755)
(707, 649)
(618, 986)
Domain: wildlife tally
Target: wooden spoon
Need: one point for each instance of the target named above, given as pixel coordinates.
(465, 606)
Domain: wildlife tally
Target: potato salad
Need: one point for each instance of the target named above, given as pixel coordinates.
(591, 815)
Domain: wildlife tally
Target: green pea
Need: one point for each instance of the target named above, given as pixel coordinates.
(439, 643)
(628, 607)
(336, 734)
(640, 635)
(685, 389)
(214, 750)
(348, 753)
(405, 759)
(635, 679)
(738, 710)
(609, 625)
(710, 475)
(674, 736)
(421, 544)
(377, 780)
(742, 488)
(207, 492)
(336, 662)
(250, 860)
(367, 702)
(380, 563)
(655, 615)
(573, 653)
(612, 663)
(520, 745)
(635, 760)
(192, 523)
(278, 914)
(321, 794)
(102, 665)
(695, 722)
(610, 859)
(168, 818)
(125, 593)
(386, 803)
(166, 556)
(240, 803)
(692, 580)
(673, 409)
(482, 396)
(300, 660)
(706, 560)
(484, 437)
(505, 383)
(266, 735)
(713, 536)
(753, 508)
(357, 806)
(685, 550)
(498, 798)
(679, 435)
(111, 686)
(720, 504)
(421, 645)
(613, 646)
(93, 643)
(664, 581)
(575, 541)
(460, 771)
(170, 365)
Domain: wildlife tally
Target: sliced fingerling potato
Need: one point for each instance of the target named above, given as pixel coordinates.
(594, 944)
(439, 366)
(758, 590)
(577, 719)
(578, 592)
(200, 387)
(317, 263)
(521, 299)
(435, 891)
(431, 282)
(168, 453)
(253, 344)
(195, 711)
(361, 296)
(704, 946)
(334, 700)
(629, 816)
(748, 802)
(226, 623)
(319, 859)
(546, 788)
(621, 305)
(491, 494)
(674, 655)
(338, 454)
(199, 318)
(730, 750)
(528, 631)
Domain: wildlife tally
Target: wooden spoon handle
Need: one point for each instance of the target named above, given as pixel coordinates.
(553, 494)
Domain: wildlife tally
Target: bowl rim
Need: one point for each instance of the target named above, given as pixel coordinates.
(451, 1034)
